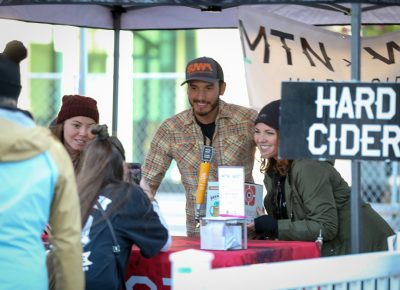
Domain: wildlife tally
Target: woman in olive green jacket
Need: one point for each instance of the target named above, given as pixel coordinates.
(309, 197)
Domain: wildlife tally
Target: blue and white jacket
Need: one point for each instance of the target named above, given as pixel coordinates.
(37, 186)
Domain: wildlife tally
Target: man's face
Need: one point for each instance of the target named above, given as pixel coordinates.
(203, 98)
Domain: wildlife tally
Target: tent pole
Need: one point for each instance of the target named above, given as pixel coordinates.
(116, 14)
(356, 222)
(83, 61)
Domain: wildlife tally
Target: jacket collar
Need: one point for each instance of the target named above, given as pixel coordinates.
(14, 109)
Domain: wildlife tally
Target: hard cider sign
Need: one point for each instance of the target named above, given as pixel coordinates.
(330, 120)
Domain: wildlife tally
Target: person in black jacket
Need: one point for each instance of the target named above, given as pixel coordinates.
(115, 214)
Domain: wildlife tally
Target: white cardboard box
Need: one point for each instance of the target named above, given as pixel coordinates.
(253, 197)
(223, 233)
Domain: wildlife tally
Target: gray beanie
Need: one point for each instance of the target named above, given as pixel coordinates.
(10, 78)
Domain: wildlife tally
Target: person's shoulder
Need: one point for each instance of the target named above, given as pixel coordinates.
(54, 143)
(184, 115)
(239, 111)
(134, 199)
(305, 162)
(178, 120)
(37, 140)
(123, 192)
(311, 165)
(57, 150)
(134, 192)
(236, 107)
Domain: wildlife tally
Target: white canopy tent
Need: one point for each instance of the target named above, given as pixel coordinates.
(183, 14)
(186, 14)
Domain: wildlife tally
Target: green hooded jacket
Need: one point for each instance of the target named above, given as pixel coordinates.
(318, 198)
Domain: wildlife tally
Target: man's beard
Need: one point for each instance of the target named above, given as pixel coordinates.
(213, 107)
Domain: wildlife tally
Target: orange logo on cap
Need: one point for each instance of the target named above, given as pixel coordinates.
(199, 67)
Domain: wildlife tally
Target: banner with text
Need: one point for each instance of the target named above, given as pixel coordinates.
(324, 120)
(279, 49)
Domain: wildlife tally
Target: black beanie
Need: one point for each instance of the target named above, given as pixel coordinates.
(10, 79)
(269, 115)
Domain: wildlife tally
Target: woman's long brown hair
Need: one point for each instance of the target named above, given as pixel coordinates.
(101, 165)
(281, 166)
(58, 132)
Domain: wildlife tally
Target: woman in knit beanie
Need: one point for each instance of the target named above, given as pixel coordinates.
(72, 126)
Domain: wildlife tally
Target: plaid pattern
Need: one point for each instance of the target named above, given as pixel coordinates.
(180, 138)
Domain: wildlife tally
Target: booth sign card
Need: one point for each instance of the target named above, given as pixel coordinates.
(253, 198)
(328, 120)
(231, 191)
(229, 229)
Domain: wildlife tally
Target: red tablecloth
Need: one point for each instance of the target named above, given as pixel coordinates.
(155, 273)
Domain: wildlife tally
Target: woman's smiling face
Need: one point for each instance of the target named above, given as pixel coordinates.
(77, 132)
(267, 140)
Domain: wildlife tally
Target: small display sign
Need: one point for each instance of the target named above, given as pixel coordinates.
(231, 191)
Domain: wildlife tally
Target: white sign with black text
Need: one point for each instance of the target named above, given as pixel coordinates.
(277, 48)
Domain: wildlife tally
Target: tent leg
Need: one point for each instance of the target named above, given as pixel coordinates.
(116, 14)
(356, 222)
(83, 61)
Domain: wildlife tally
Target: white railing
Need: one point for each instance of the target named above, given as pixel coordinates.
(377, 271)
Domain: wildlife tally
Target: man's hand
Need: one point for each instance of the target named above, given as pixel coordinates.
(147, 189)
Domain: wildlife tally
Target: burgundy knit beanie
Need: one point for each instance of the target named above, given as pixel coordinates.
(75, 105)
